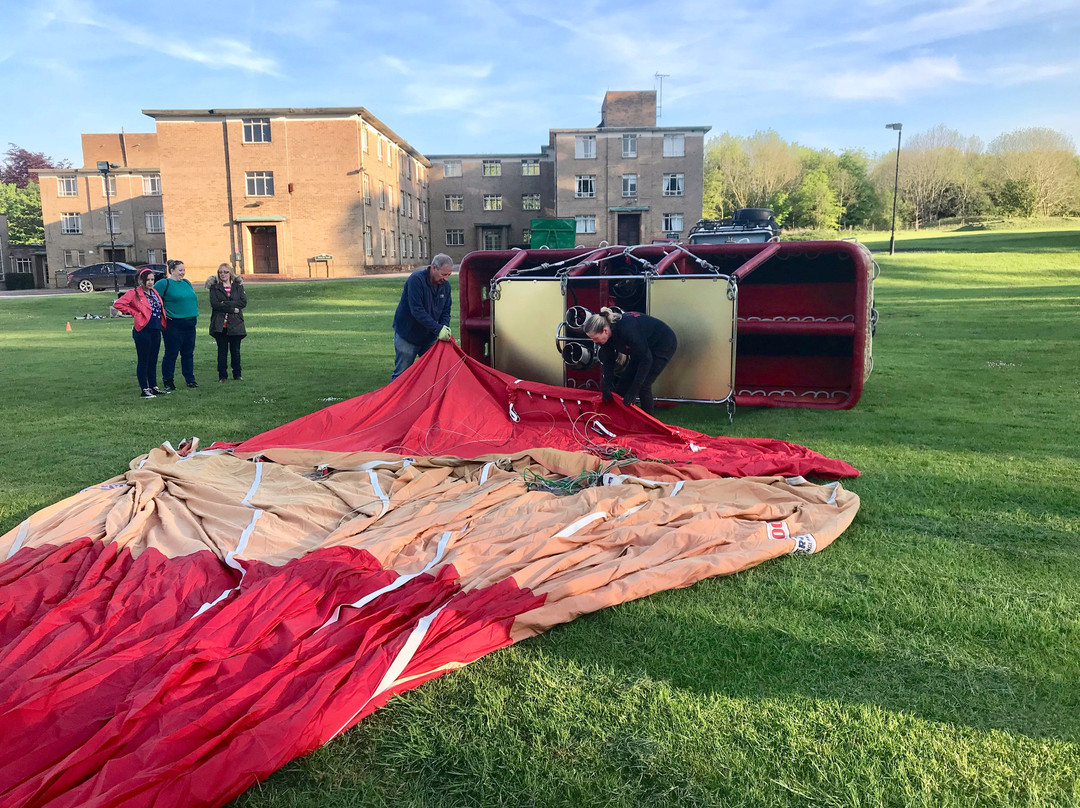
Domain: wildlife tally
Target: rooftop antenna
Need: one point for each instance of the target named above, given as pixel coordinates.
(660, 103)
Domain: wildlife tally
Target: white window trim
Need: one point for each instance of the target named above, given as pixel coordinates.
(62, 183)
(628, 194)
(632, 138)
(679, 180)
(583, 145)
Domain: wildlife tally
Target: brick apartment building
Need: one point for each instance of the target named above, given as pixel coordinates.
(269, 190)
(334, 192)
(626, 181)
(75, 208)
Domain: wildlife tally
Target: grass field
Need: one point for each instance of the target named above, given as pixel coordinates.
(929, 657)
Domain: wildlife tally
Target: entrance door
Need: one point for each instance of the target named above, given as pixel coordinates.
(264, 250)
(492, 239)
(629, 229)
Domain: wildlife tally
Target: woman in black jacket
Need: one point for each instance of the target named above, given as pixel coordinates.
(227, 302)
(648, 342)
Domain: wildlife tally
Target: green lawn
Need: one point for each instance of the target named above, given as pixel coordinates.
(929, 657)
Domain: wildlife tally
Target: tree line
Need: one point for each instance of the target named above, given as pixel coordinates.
(20, 196)
(943, 175)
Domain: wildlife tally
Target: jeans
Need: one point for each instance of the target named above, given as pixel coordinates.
(405, 353)
(179, 338)
(228, 347)
(147, 344)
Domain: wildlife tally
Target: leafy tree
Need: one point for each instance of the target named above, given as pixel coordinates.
(814, 203)
(22, 206)
(863, 205)
(1015, 197)
(17, 163)
(1040, 159)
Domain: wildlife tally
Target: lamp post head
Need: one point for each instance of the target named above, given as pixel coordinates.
(103, 166)
(896, 126)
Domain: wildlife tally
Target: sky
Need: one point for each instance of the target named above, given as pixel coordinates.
(492, 76)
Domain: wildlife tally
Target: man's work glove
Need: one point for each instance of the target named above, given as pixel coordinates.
(444, 334)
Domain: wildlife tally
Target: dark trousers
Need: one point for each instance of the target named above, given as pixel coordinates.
(645, 394)
(147, 344)
(179, 339)
(228, 347)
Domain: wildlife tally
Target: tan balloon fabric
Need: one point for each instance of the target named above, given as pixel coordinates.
(656, 527)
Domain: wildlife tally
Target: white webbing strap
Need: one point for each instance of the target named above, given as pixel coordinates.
(20, 537)
(579, 524)
(374, 478)
(397, 583)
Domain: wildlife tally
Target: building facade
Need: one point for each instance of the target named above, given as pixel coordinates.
(301, 193)
(626, 181)
(76, 203)
(487, 202)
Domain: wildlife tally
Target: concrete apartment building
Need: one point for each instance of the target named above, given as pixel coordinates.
(626, 181)
(319, 192)
(75, 208)
(487, 202)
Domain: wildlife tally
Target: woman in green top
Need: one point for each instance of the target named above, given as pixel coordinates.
(182, 308)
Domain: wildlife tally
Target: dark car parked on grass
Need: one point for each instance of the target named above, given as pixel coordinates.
(103, 276)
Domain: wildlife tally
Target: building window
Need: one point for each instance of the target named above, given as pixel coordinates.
(674, 145)
(492, 201)
(108, 185)
(492, 240)
(382, 194)
(67, 186)
(382, 242)
(408, 171)
(530, 168)
(629, 184)
(73, 258)
(629, 145)
(402, 208)
(423, 212)
(378, 148)
(417, 201)
(530, 201)
(452, 169)
(423, 247)
(256, 130)
(367, 189)
(454, 202)
(367, 241)
(259, 183)
(155, 221)
(364, 146)
(389, 154)
(112, 222)
(493, 168)
(586, 186)
(455, 238)
(400, 244)
(586, 224)
(673, 222)
(526, 236)
(673, 185)
(151, 256)
(151, 185)
(585, 147)
(410, 241)
(71, 224)
(21, 264)
(390, 197)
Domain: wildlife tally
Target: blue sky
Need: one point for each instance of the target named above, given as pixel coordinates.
(474, 76)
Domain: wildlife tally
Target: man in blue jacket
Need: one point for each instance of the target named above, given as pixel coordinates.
(423, 313)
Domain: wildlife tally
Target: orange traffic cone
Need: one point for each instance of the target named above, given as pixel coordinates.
(68, 326)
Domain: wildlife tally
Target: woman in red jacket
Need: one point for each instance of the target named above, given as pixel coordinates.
(144, 304)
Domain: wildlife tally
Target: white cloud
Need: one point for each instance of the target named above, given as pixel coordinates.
(897, 81)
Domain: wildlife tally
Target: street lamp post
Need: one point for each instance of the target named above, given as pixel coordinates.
(103, 167)
(896, 184)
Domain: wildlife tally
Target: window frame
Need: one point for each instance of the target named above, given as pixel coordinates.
(151, 185)
(491, 168)
(253, 180)
(580, 182)
(112, 222)
(158, 216)
(78, 256)
(108, 186)
(629, 138)
(583, 145)
(530, 163)
(66, 226)
(530, 201)
(453, 203)
(668, 220)
(256, 126)
(629, 186)
(457, 232)
(492, 202)
(674, 184)
(452, 168)
(62, 185)
(671, 140)
(583, 221)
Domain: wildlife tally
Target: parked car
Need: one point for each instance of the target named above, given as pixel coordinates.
(103, 276)
(160, 270)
